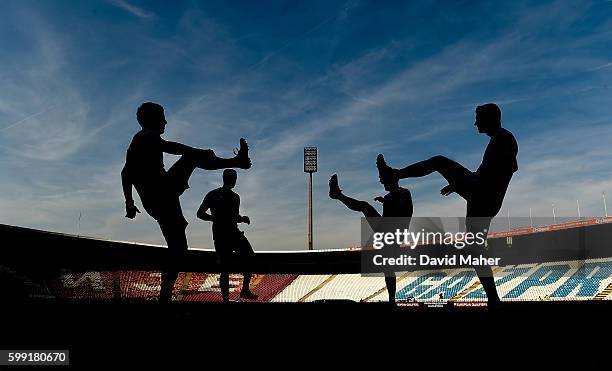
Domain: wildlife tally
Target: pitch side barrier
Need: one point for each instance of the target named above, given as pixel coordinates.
(40, 253)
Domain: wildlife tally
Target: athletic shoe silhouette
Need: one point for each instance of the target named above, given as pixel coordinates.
(243, 155)
(334, 189)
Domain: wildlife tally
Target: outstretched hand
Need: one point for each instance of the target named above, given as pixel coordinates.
(379, 199)
(447, 190)
(131, 210)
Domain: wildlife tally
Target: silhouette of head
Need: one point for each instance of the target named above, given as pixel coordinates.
(488, 118)
(229, 178)
(151, 116)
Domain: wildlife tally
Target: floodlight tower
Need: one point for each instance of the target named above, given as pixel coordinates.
(310, 166)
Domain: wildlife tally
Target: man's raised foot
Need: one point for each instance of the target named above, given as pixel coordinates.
(385, 172)
(244, 162)
(334, 189)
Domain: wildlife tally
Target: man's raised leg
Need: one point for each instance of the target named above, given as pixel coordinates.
(207, 160)
(180, 172)
(451, 170)
(356, 205)
(369, 212)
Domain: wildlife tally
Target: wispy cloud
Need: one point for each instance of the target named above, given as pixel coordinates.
(602, 66)
(133, 9)
(27, 118)
(60, 128)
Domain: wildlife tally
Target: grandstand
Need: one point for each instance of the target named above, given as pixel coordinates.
(39, 265)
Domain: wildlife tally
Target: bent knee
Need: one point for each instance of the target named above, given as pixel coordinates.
(439, 160)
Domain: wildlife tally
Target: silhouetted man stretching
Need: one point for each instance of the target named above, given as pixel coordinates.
(159, 190)
(396, 203)
(224, 205)
(484, 190)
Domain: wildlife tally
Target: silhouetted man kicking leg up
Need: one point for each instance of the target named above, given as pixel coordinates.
(396, 203)
(224, 205)
(159, 190)
(484, 190)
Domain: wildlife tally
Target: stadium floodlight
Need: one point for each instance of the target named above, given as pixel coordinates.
(310, 166)
(310, 159)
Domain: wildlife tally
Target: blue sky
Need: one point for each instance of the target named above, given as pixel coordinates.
(354, 78)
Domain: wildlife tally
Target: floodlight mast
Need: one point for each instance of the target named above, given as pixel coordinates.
(310, 166)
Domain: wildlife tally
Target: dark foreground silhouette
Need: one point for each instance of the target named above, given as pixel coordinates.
(159, 190)
(396, 203)
(224, 206)
(484, 189)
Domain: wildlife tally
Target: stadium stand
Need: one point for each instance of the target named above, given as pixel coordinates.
(79, 268)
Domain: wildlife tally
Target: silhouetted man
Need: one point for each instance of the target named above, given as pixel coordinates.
(159, 190)
(396, 203)
(224, 205)
(484, 189)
